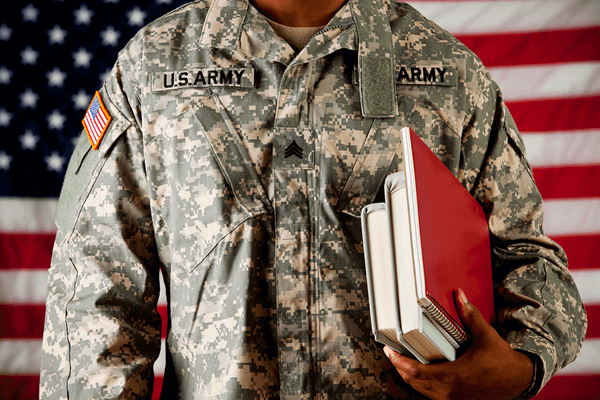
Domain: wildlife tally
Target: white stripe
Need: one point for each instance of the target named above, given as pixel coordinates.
(20, 357)
(29, 287)
(23, 286)
(568, 217)
(24, 357)
(90, 124)
(550, 149)
(588, 283)
(588, 361)
(27, 215)
(565, 80)
(479, 17)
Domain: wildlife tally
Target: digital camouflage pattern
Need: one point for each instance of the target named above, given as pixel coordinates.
(260, 247)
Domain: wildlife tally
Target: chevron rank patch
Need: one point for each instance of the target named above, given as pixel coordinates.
(96, 120)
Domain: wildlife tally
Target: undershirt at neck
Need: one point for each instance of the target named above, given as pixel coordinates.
(297, 37)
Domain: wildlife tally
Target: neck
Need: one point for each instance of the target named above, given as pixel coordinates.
(301, 13)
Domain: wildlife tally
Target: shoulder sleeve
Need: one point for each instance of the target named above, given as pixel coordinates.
(102, 329)
(539, 310)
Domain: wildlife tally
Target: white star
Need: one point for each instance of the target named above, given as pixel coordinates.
(104, 76)
(56, 120)
(111, 1)
(56, 77)
(81, 100)
(110, 37)
(29, 99)
(30, 13)
(5, 160)
(5, 32)
(83, 15)
(28, 140)
(54, 162)
(5, 75)
(82, 58)
(29, 56)
(5, 117)
(57, 35)
(136, 16)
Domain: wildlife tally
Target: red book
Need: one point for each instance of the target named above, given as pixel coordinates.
(450, 236)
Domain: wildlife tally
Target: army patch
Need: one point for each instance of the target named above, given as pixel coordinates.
(425, 75)
(96, 120)
(207, 77)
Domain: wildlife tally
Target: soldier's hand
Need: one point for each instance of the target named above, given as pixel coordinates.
(489, 368)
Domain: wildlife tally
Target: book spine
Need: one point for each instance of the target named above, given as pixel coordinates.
(438, 314)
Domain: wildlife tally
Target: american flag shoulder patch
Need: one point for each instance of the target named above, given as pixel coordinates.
(96, 120)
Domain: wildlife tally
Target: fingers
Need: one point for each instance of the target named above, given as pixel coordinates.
(408, 368)
(470, 315)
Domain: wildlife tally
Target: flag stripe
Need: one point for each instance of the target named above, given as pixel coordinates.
(471, 17)
(20, 387)
(572, 387)
(548, 81)
(565, 217)
(21, 286)
(568, 181)
(34, 215)
(534, 48)
(551, 115)
(588, 360)
(26, 251)
(593, 330)
(24, 321)
(552, 149)
(582, 250)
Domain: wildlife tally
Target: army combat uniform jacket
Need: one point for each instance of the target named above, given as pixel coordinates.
(238, 170)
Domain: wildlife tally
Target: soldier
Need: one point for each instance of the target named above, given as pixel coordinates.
(235, 163)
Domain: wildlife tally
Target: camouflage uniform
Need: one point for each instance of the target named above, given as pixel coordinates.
(258, 239)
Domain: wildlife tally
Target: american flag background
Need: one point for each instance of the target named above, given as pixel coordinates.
(54, 55)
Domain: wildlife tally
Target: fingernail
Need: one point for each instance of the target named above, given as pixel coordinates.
(386, 351)
(462, 297)
(464, 301)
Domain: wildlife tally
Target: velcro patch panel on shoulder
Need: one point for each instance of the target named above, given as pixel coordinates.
(206, 77)
(426, 75)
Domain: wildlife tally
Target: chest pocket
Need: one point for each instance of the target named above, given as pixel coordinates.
(380, 151)
(205, 185)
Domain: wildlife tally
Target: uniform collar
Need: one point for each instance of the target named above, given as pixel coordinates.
(361, 25)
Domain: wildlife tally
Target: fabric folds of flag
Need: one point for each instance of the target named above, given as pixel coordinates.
(543, 53)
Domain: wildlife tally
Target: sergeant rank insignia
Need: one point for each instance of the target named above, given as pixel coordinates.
(96, 120)
(294, 150)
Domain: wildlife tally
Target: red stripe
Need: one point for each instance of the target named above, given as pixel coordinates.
(571, 387)
(556, 114)
(27, 321)
(582, 251)
(568, 182)
(26, 251)
(19, 387)
(593, 313)
(22, 321)
(531, 48)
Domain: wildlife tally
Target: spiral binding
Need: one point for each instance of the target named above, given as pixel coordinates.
(445, 320)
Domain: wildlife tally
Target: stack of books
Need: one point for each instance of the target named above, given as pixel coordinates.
(428, 239)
